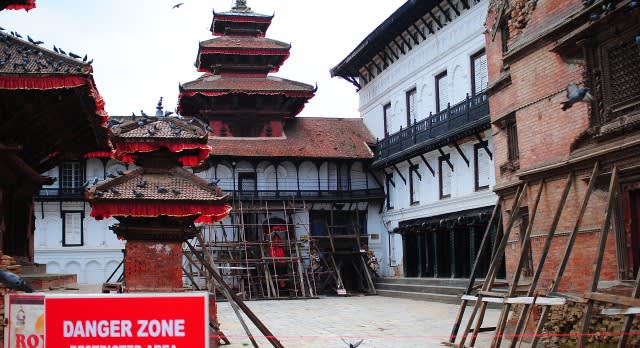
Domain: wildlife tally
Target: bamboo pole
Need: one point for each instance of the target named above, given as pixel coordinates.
(604, 232)
(555, 283)
(543, 256)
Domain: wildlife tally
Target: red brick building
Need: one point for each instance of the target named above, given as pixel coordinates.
(535, 49)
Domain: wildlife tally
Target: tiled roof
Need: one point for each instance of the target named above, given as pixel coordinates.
(244, 42)
(305, 137)
(270, 84)
(19, 56)
(159, 128)
(176, 184)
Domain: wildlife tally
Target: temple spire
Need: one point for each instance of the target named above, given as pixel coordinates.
(241, 6)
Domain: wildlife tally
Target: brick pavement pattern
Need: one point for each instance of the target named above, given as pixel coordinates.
(380, 321)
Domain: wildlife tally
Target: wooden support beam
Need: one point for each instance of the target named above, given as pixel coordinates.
(392, 51)
(453, 7)
(414, 169)
(465, 4)
(445, 13)
(371, 75)
(455, 143)
(613, 299)
(378, 68)
(400, 174)
(484, 144)
(435, 19)
(389, 177)
(427, 25)
(424, 37)
(406, 41)
(433, 172)
(400, 46)
(385, 57)
(447, 158)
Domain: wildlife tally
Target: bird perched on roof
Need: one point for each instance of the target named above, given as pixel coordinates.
(90, 62)
(12, 281)
(114, 191)
(352, 345)
(133, 115)
(175, 191)
(161, 189)
(61, 51)
(84, 59)
(73, 55)
(120, 172)
(214, 182)
(576, 94)
(99, 193)
(178, 5)
(111, 175)
(137, 193)
(168, 113)
(142, 184)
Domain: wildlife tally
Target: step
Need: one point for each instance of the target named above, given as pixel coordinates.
(438, 289)
(420, 296)
(459, 282)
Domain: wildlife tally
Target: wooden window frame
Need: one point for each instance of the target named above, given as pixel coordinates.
(412, 176)
(438, 79)
(473, 59)
(78, 182)
(387, 181)
(513, 148)
(386, 109)
(476, 173)
(408, 94)
(443, 160)
(64, 227)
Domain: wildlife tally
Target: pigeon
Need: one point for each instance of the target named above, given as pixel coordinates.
(178, 5)
(114, 122)
(594, 17)
(2, 29)
(144, 114)
(12, 281)
(111, 175)
(73, 55)
(209, 129)
(142, 184)
(84, 59)
(576, 94)
(133, 116)
(151, 132)
(30, 39)
(15, 33)
(192, 121)
(99, 193)
(168, 113)
(137, 193)
(161, 189)
(90, 62)
(352, 345)
(38, 43)
(175, 191)
(120, 172)
(61, 51)
(141, 123)
(214, 182)
(114, 191)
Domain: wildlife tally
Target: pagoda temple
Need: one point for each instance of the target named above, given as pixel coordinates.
(158, 201)
(288, 175)
(236, 95)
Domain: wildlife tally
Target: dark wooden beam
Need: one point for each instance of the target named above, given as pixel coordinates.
(393, 52)
(453, 7)
(424, 37)
(369, 71)
(400, 174)
(445, 13)
(447, 158)
(465, 4)
(414, 169)
(379, 70)
(433, 172)
(461, 153)
(385, 57)
(484, 144)
(435, 19)
(427, 25)
(389, 176)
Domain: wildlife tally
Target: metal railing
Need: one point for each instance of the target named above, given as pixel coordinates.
(311, 195)
(452, 118)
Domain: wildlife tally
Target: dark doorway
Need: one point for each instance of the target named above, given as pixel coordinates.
(631, 202)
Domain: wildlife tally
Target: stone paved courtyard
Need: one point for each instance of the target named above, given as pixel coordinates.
(380, 321)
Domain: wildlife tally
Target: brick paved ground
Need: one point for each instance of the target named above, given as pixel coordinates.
(380, 321)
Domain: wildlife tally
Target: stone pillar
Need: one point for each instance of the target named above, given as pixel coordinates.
(153, 266)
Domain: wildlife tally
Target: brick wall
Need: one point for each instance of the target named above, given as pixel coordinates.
(153, 266)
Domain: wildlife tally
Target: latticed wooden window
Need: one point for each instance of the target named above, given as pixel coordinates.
(511, 129)
(621, 73)
(71, 176)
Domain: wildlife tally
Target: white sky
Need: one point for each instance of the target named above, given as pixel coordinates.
(144, 48)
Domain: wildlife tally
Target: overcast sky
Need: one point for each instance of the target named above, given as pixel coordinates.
(144, 48)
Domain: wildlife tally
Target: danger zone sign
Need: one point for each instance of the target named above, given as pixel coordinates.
(127, 321)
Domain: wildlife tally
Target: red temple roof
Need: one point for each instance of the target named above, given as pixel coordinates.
(305, 137)
(244, 43)
(17, 4)
(221, 85)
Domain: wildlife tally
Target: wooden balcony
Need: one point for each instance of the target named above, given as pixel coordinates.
(61, 194)
(456, 121)
(323, 195)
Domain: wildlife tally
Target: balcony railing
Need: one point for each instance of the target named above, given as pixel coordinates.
(53, 194)
(454, 118)
(311, 195)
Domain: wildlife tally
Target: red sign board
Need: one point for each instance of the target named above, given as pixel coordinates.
(130, 320)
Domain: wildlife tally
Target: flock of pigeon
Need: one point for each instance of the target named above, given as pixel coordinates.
(34, 59)
(607, 7)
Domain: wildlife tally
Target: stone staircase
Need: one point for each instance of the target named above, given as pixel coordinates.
(424, 289)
